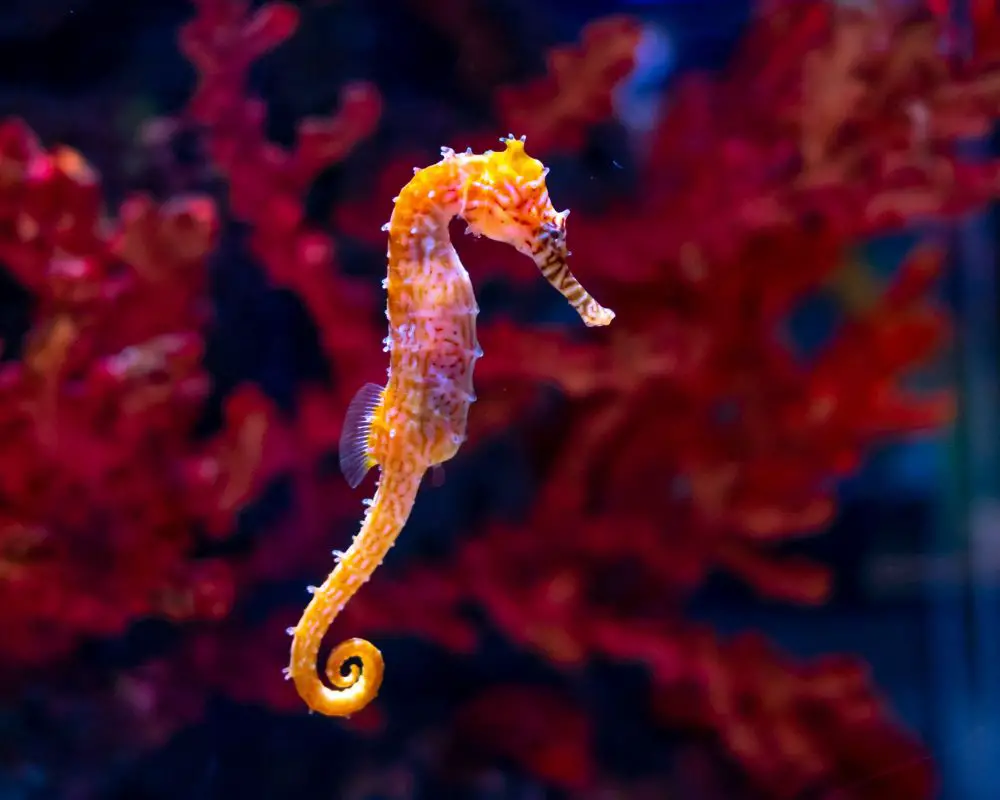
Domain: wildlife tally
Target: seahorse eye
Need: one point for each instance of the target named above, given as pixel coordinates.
(553, 232)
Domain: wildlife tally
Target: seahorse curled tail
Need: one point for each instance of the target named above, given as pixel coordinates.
(354, 668)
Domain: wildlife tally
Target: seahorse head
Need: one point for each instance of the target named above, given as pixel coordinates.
(504, 197)
(511, 203)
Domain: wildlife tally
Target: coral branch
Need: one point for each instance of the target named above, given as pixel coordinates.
(266, 182)
(98, 414)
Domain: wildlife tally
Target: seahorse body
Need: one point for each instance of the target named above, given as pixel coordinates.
(418, 419)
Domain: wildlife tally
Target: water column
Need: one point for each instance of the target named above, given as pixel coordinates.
(965, 615)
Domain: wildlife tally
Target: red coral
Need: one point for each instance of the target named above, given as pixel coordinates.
(267, 183)
(554, 111)
(97, 416)
(795, 728)
(540, 730)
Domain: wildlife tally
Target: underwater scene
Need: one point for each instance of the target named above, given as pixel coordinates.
(499, 400)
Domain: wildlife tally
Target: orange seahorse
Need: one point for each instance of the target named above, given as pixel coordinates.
(418, 419)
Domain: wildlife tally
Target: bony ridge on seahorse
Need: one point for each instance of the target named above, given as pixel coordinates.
(418, 419)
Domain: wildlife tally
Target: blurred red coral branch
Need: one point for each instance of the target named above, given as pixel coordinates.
(267, 183)
(546, 732)
(103, 488)
(555, 111)
(795, 728)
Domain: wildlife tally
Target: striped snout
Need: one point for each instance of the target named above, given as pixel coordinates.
(551, 258)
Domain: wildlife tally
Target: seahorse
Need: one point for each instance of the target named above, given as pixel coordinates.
(417, 421)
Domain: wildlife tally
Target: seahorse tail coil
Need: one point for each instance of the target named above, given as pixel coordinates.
(355, 669)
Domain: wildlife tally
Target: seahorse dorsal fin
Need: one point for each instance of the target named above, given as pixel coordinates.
(355, 449)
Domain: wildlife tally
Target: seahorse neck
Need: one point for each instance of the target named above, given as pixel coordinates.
(418, 227)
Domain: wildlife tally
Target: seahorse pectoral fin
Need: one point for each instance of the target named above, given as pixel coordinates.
(356, 456)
